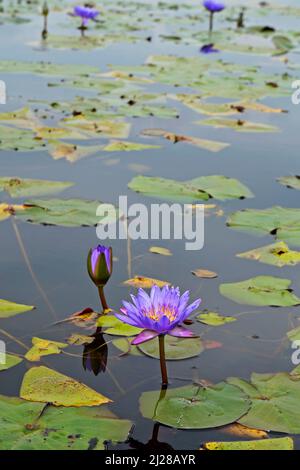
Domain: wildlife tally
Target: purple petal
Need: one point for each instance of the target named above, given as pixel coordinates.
(144, 336)
(126, 319)
(181, 332)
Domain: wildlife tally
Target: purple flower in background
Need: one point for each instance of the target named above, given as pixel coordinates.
(85, 13)
(213, 6)
(208, 49)
(99, 264)
(159, 313)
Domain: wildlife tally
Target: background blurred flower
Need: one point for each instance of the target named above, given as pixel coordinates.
(159, 313)
(208, 49)
(213, 6)
(85, 13)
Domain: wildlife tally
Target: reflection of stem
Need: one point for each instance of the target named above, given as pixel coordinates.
(29, 267)
(162, 358)
(13, 338)
(211, 22)
(45, 30)
(102, 298)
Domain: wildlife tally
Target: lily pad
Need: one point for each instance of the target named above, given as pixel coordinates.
(280, 443)
(203, 188)
(159, 250)
(43, 347)
(238, 125)
(196, 407)
(175, 348)
(113, 326)
(282, 222)
(45, 68)
(10, 309)
(10, 361)
(71, 152)
(277, 254)
(64, 212)
(261, 291)
(274, 402)
(48, 386)
(122, 146)
(17, 187)
(125, 346)
(214, 319)
(290, 181)
(30, 426)
(145, 282)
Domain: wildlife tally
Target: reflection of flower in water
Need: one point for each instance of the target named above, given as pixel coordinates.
(208, 49)
(153, 445)
(94, 357)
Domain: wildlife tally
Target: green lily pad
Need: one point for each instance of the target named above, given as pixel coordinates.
(274, 402)
(63, 212)
(290, 181)
(43, 347)
(214, 319)
(238, 125)
(10, 309)
(125, 346)
(277, 254)
(25, 426)
(48, 386)
(10, 361)
(121, 146)
(17, 187)
(20, 140)
(175, 348)
(294, 334)
(46, 68)
(261, 291)
(203, 188)
(283, 223)
(113, 326)
(280, 443)
(196, 407)
(96, 129)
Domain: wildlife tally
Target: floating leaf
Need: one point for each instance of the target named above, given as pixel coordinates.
(211, 145)
(20, 140)
(277, 254)
(290, 181)
(79, 340)
(46, 68)
(239, 430)
(238, 125)
(9, 309)
(17, 187)
(175, 348)
(204, 273)
(145, 282)
(282, 222)
(121, 146)
(71, 152)
(158, 250)
(113, 326)
(96, 129)
(124, 345)
(203, 188)
(261, 291)
(214, 319)
(196, 407)
(48, 386)
(43, 347)
(294, 334)
(281, 443)
(5, 213)
(274, 402)
(9, 361)
(64, 212)
(31, 426)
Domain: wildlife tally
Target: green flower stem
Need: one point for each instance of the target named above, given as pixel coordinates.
(102, 298)
(162, 358)
(211, 22)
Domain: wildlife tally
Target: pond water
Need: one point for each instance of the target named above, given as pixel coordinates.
(45, 266)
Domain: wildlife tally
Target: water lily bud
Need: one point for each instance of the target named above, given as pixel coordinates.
(45, 10)
(99, 264)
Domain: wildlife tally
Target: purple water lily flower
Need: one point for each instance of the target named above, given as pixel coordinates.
(85, 13)
(99, 264)
(208, 49)
(159, 313)
(213, 6)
